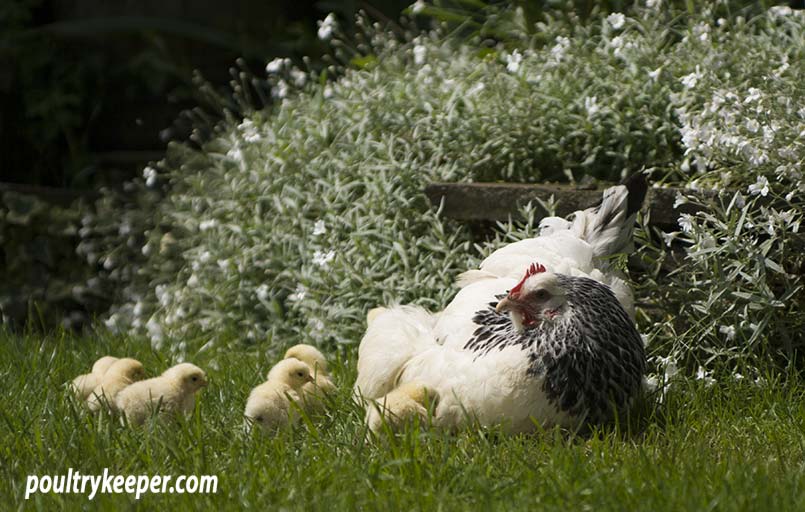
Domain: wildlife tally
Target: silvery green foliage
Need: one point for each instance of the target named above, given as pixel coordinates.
(292, 222)
(742, 124)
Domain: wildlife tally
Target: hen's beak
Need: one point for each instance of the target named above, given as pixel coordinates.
(505, 304)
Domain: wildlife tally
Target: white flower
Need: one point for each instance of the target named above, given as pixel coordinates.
(686, 222)
(299, 294)
(560, 48)
(761, 186)
(690, 81)
(111, 323)
(249, 130)
(780, 10)
(163, 295)
(669, 238)
(327, 27)
(319, 228)
(323, 259)
(728, 331)
(754, 95)
(275, 66)
(671, 369)
(207, 224)
(420, 52)
(655, 74)
(150, 175)
(280, 91)
(591, 105)
(205, 257)
(262, 292)
(738, 377)
(328, 92)
(702, 374)
(235, 154)
(679, 200)
(617, 43)
(154, 332)
(317, 327)
(418, 6)
(702, 31)
(513, 61)
(740, 201)
(192, 281)
(223, 264)
(653, 4)
(616, 20)
(299, 77)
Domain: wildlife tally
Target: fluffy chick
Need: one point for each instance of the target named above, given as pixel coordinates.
(313, 392)
(121, 373)
(83, 385)
(269, 404)
(173, 392)
(400, 406)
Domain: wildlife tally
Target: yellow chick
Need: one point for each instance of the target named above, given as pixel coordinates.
(121, 373)
(173, 392)
(312, 392)
(269, 404)
(400, 406)
(83, 385)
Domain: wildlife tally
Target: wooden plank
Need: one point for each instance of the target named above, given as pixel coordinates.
(500, 201)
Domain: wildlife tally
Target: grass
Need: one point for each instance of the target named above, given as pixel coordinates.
(733, 446)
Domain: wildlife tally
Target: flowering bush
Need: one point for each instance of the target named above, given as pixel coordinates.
(292, 221)
(742, 125)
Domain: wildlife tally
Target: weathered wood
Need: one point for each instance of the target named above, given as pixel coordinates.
(500, 201)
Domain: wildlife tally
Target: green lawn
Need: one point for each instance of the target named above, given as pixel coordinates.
(729, 447)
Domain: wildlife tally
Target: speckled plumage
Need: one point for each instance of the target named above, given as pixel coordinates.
(591, 360)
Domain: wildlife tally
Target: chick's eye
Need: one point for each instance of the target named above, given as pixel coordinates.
(195, 379)
(300, 374)
(259, 418)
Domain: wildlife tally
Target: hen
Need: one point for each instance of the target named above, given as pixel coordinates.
(541, 334)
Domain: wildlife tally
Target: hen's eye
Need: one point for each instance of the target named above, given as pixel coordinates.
(541, 294)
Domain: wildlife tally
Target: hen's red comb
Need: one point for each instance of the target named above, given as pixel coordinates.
(534, 269)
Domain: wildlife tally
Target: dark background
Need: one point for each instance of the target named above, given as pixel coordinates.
(91, 90)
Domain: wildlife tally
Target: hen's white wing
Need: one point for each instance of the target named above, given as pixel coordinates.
(393, 336)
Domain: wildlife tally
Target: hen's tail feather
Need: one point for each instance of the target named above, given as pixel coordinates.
(607, 227)
(393, 337)
(637, 185)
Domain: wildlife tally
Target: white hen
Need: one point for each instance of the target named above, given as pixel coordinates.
(540, 334)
